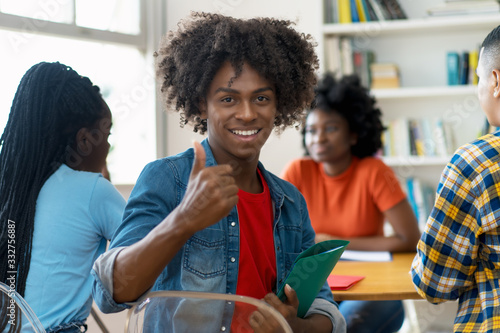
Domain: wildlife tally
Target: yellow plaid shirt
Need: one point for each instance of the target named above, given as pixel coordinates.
(458, 255)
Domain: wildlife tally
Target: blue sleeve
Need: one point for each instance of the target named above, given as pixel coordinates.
(154, 196)
(106, 207)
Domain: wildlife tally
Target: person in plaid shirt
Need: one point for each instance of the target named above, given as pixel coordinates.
(458, 255)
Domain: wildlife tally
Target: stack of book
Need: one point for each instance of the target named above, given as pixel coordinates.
(462, 67)
(465, 7)
(384, 76)
(352, 11)
(425, 137)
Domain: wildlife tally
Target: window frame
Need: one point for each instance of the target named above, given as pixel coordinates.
(153, 17)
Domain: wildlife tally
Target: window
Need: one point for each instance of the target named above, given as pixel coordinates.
(104, 40)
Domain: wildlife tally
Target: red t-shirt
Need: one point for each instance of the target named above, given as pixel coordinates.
(257, 264)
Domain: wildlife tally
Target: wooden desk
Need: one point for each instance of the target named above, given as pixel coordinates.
(389, 280)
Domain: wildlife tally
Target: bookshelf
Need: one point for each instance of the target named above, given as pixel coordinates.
(453, 24)
(423, 92)
(419, 45)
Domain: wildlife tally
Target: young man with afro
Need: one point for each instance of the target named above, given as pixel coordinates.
(458, 255)
(212, 218)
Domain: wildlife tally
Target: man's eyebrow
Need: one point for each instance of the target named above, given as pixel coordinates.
(234, 91)
(227, 90)
(263, 89)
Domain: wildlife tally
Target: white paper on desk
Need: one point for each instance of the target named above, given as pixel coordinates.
(366, 255)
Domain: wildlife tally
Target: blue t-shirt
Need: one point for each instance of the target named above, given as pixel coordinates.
(76, 213)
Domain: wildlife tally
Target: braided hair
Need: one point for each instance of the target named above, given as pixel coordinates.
(189, 58)
(51, 104)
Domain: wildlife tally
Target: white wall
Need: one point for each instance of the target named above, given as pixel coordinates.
(279, 150)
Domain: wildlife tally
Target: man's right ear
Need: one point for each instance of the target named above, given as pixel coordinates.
(203, 109)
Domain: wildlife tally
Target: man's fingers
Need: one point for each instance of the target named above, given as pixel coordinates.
(200, 158)
(291, 296)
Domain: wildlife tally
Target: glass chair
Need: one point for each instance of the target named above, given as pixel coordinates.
(16, 314)
(188, 311)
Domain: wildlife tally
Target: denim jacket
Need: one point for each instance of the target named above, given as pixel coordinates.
(209, 259)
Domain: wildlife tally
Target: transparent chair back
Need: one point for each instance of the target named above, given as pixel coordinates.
(15, 314)
(186, 311)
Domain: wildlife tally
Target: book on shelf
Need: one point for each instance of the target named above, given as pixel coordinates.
(333, 61)
(452, 64)
(473, 61)
(380, 13)
(394, 9)
(329, 11)
(464, 68)
(417, 147)
(342, 59)
(370, 12)
(424, 137)
(346, 56)
(399, 139)
(362, 11)
(385, 10)
(461, 67)
(421, 198)
(344, 8)
(465, 8)
(352, 11)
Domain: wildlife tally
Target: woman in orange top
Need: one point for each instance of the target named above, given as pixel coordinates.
(350, 193)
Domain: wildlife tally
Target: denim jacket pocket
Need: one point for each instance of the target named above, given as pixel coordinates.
(204, 253)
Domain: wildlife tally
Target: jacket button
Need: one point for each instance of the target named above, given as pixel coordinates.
(233, 259)
(223, 328)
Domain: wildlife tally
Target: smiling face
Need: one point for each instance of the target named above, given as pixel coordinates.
(328, 138)
(240, 115)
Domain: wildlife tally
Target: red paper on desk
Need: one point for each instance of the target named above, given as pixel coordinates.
(343, 282)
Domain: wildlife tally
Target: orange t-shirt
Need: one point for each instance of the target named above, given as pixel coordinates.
(350, 204)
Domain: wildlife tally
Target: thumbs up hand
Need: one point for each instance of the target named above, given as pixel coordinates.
(210, 195)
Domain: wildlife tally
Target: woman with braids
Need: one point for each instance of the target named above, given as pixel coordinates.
(52, 194)
(350, 193)
(212, 218)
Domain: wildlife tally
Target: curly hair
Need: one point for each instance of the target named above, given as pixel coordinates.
(189, 58)
(353, 102)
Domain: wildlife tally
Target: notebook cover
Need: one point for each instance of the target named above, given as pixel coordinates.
(310, 271)
(343, 282)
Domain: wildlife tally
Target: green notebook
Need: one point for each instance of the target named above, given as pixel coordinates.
(310, 271)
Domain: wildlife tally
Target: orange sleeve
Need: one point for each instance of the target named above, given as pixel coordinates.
(387, 191)
(292, 173)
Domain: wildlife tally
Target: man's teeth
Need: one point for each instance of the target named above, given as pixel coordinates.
(245, 132)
